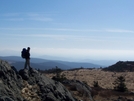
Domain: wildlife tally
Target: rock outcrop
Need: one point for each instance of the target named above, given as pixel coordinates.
(80, 90)
(11, 83)
(29, 85)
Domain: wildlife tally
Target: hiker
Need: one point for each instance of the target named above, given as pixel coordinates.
(27, 58)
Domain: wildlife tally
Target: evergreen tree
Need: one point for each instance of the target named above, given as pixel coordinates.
(120, 84)
(95, 84)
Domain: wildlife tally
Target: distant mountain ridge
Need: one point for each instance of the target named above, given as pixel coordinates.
(121, 66)
(47, 64)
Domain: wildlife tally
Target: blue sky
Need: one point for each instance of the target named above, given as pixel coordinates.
(84, 29)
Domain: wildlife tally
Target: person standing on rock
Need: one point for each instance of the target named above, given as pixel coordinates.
(27, 58)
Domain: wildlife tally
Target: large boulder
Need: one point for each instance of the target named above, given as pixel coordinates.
(49, 90)
(11, 83)
(84, 92)
(29, 85)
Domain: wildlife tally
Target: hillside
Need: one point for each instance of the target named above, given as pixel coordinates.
(121, 66)
(105, 80)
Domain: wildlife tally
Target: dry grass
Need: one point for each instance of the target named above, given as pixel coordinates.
(105, 79)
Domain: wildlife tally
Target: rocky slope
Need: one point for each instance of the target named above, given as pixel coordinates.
(31, 85)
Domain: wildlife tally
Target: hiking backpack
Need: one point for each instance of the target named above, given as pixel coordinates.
(23, 53)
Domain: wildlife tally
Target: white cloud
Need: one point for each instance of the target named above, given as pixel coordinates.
(38, 17)
(15, 19)
(119, 31)
(33, 14)
(26, 16)
(41, 19)
(66, 29)
(11, 14)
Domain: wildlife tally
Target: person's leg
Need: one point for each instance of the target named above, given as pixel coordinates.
(28, 63)
(25, 64)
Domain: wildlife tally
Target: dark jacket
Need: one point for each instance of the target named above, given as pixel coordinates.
(27, 54)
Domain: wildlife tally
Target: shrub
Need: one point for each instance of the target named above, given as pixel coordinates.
(95, 84)
(58, 76)
(120, 84)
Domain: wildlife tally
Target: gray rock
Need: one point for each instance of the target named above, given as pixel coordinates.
(80, 87)
(24, 74)
(5, 98)
(52, 90)
(29, 85)
(10, 83)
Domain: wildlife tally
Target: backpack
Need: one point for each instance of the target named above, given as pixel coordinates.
(23, 53)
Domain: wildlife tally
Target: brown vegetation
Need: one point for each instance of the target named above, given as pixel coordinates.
(105, 81)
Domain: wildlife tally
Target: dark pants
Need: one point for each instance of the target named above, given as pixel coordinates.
(27, 63)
